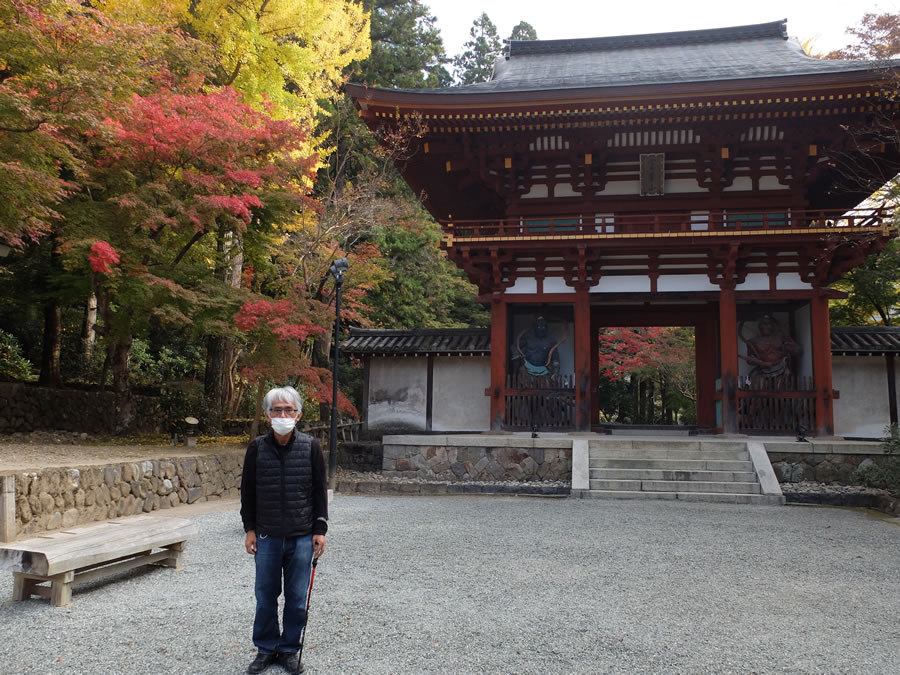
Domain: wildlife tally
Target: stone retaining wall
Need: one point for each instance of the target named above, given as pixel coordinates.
(476, 458)
(26, 408)
(822, 462)
(55, 498)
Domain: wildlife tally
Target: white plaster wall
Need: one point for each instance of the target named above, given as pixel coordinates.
(624, 284)
(621, 187)
(397, 393)
(791, 282)
(677, 185)
(771, 183)
(523, 285)
(862, 409)
(556, 285)
(673, 283)
(755, 282)
(459, 402)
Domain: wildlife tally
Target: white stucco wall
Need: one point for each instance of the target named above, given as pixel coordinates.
(459, 402)
(397, 393)
(862, 409)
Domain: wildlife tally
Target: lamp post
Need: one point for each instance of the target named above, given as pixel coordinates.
(337, 269)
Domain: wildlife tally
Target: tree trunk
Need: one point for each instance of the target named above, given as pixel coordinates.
(214, 385)
(118, 360)
(321, 358)
(50, 376)
(257, 410)
(88, 336)
(214, 382)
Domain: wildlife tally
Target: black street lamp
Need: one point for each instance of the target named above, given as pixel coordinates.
(337, 269)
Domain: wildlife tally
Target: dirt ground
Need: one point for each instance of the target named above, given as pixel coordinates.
(26, 452)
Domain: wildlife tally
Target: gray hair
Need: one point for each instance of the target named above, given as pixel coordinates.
(283, 395)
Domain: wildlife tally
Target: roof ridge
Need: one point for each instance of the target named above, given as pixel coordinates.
(772, 29)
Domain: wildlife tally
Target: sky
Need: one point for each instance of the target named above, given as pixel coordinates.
(823, 21)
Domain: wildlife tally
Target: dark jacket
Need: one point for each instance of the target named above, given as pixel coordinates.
(283, 487)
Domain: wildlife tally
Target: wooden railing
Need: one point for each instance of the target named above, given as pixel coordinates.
(660, 223)
(347, 431)
(777, 404)
(545, 402)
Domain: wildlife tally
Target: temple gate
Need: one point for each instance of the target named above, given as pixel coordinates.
(694, 178)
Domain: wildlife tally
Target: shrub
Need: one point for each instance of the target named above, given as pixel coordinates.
(885, 474)
(13, 365)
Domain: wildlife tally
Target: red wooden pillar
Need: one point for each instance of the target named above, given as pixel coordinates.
(498, 361)
(594, 346)
(582, 360)
(821, 345)
(705, 355)
(729, 370)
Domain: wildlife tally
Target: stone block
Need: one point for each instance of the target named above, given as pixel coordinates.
(23, 509)
(73, 478)
(470, 454)
(395, 451)
(47, 503)
(193, 494)
(70, 518)
(369, 487)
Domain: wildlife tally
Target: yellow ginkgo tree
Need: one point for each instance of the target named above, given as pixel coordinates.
(287, 54)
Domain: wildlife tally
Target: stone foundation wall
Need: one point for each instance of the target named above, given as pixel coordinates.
(359, 455)
(57, 498)
(25, 408)
(507, 459)
(795, 467)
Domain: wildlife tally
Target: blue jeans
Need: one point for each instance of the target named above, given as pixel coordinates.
(291, 556)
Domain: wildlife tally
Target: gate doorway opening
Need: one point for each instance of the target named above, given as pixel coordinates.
(647, 378)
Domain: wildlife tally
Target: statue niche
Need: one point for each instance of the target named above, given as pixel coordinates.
(772, 350)
(536, 351)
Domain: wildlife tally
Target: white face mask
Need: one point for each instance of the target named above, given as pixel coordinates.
(283, 425)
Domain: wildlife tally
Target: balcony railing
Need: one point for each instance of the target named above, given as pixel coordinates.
(626, 224)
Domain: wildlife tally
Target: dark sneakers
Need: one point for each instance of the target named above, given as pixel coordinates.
(261, 662)
(291, 663)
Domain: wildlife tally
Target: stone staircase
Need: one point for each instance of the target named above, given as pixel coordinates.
(730, 471)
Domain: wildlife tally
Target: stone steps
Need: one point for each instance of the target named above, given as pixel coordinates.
(672, 464)
(666, 453)
(673, 469)
(669, 474)
(676, 486)
(719, 497)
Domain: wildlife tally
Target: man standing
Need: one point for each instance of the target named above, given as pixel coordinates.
(284, 506)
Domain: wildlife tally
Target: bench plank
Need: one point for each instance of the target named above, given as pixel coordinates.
(97, 550)
(68, 550)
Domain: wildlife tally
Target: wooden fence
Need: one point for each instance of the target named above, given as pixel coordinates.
(545, 402)
(777, 404)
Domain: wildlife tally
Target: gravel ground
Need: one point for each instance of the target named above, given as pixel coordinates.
(508, 585)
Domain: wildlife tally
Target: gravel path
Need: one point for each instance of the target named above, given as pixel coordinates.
(508, 585)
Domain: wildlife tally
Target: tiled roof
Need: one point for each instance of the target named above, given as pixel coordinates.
(734, 53)
(845, 341)
(865, 340)
(439, 341)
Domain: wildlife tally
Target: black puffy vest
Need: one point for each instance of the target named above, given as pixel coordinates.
(284, 505)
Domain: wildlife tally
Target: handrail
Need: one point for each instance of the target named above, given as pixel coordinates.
(664, 223)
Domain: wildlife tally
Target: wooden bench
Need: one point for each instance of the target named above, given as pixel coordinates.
(90, 552)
